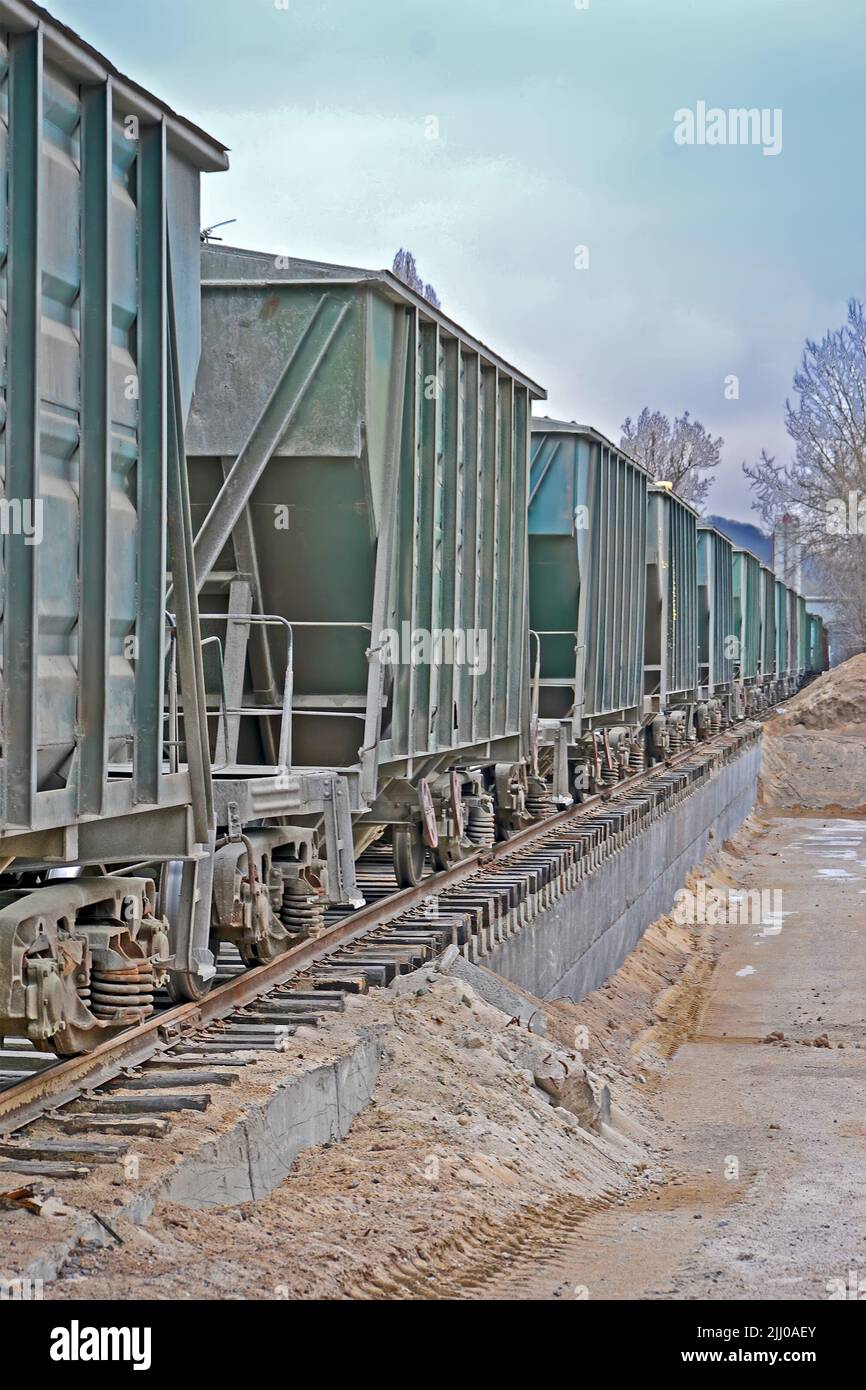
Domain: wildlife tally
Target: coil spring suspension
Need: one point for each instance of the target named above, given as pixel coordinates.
(609, 775)
(539, 803)
(637, 756)
(82, 985)
(302, 913)
(675, 737)
(481, 825)
(120, 994)
(715, 721)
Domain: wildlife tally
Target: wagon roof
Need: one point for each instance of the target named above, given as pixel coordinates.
(82, 61)
(545, 424)
(675, 496)
(294, 270)
(708, 526)
(744, 550)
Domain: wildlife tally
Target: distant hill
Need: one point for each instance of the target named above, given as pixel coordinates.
(745, 534)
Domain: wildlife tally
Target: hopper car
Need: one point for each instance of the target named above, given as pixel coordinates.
(671, 632)
(715, 629)
(793, 632)
(101, 330)
(747, 628)
(358, 470)
(587, 595)
(767, 667)
(802, 639)
(782, 668)
(818, 660)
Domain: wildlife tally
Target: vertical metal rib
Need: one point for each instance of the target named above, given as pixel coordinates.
(386, 589)
(95, 497)
(179, 523)
(151, 462)
(489, 468)
(447, 613)
(520, 560)
(504, 714)
(24, 296)
(474, 531)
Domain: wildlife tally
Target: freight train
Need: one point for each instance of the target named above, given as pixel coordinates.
(289, 567)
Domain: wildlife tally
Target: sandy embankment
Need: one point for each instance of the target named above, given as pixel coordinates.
(814, 751)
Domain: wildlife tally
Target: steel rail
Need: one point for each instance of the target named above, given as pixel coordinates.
(56, 1085)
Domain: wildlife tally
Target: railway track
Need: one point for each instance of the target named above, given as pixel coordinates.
(133, 1084)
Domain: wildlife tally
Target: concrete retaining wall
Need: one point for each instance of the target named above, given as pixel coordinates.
(572, 948)
(255, 1155)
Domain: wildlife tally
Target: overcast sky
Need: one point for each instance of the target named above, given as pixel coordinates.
(555, 130)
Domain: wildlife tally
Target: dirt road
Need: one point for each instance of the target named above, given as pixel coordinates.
(768, 1139)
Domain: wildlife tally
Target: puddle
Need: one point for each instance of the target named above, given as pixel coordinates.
(747, 970)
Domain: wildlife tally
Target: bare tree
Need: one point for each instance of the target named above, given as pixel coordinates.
(824, 486)
(405, 269)
(680, 453)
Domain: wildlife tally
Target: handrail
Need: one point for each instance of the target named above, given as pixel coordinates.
(284, 753)
(224, 699)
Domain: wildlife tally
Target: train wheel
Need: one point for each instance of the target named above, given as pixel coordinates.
(183, 987)
(410, 854)
(177, 899)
